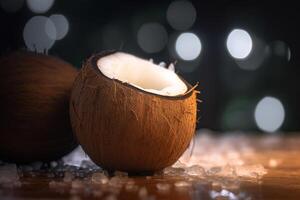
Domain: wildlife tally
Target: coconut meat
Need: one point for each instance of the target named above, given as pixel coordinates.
(142, 74)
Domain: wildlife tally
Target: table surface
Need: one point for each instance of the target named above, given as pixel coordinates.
(280, 155)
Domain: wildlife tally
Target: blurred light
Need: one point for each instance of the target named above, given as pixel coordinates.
(269, 114)
(256, 58)
(239, 43)
(280, 49)
(11, 5)
(39, 34)
(39, 6)
(181, 15)
(61, 24)
(185, 66)
(188, 46)
(273, 163)
(152, 37)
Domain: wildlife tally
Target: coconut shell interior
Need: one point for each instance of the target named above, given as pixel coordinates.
(125, 128)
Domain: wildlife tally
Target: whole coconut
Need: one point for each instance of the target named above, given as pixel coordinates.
(34, 99)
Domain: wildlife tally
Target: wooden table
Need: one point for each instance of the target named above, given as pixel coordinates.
(280, 155)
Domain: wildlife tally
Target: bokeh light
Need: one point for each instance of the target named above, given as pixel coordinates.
(188, 46)
(152, 37)
(269, 114)
(181, 15)
(239, 43)
(257, 57)
(11, 5)
(39, 34)
(61, 24)
(39, 6)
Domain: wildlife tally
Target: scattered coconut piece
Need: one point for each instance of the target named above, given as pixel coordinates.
(195, 170)
(99, 178)
(174, 171)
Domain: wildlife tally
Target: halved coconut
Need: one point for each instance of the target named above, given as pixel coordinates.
(130, 114)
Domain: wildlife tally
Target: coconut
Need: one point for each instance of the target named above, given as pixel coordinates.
(130, 114)
(34, 103)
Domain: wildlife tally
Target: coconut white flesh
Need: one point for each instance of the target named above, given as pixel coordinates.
(142, 74)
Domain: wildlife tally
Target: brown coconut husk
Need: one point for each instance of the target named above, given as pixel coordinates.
(34, 98)
(125, 128)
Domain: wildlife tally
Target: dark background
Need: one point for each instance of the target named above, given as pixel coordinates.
(229, 93)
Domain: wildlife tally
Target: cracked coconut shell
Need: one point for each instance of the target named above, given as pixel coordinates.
(34, 103)
(122, 127)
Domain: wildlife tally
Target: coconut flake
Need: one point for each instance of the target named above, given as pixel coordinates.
(162, 64)
(171, 67)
